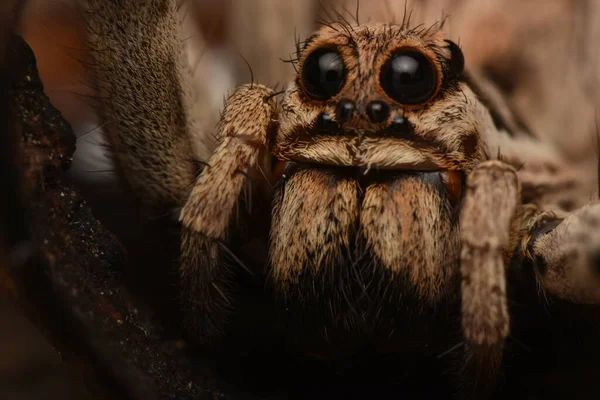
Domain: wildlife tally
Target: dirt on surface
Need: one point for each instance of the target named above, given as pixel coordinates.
(91, 339)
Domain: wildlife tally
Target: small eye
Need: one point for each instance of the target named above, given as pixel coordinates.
(409, 77)
(323, 74)
(457, 61)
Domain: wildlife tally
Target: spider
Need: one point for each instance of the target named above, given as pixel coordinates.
(377, 194)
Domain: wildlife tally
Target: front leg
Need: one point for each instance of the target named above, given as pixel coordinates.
(243, 133)
(488, 229)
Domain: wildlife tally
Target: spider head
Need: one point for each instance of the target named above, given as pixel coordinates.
(382, 97)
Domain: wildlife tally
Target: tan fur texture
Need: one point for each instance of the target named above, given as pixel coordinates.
(147, 123)
(243, 133)
(448, 134)
(313, 222)
(567, 257)
(393, 215)
(450, 137)
(487, 226)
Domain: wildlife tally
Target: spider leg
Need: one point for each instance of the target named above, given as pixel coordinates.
(243, 133)
(488, 227)
(143, 87)
(565, 253)
(547, 178)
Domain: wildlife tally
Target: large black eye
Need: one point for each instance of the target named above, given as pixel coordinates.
(323, 74)
(408, 77)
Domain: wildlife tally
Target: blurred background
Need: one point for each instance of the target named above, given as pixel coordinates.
(543, 54)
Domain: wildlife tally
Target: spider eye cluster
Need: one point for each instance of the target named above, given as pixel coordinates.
(409, 77)
(323, 73)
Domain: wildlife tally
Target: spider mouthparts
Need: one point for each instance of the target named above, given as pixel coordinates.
(453, 182)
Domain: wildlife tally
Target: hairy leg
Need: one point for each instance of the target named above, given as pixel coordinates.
(243, 134)
(547, 179)
(565, 253)
(488, 228)
(142, 83)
